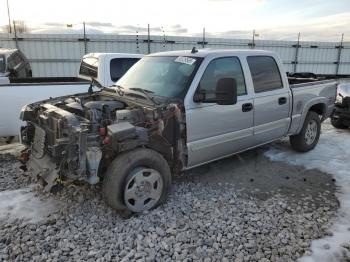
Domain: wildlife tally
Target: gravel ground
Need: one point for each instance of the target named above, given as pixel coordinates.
(244, 208)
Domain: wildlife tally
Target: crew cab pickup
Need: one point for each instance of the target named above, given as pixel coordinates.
(104, 68)
(171, 112)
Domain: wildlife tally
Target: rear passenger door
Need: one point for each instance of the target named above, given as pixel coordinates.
(272, 99)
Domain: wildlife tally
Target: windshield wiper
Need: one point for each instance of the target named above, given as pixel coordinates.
(141, 90)
(146, 92)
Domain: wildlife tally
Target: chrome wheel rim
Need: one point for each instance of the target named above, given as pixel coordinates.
(311, 132)
(143, 189)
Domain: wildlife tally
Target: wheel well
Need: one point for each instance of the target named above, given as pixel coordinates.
(318, 108)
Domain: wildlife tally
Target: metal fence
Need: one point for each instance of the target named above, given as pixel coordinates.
(59, 54)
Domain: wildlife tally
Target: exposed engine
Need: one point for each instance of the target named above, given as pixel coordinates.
(76, 137)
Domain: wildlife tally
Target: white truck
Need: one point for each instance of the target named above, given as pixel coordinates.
(102, 68)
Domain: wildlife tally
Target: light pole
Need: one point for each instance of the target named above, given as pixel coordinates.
(8, 13)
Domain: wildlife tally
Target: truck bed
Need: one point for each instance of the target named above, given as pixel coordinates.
(306, 94)
(312, 82)
(15, 95)
(47, 80)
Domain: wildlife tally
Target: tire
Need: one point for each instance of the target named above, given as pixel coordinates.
(338, 123)
(303, 142)
(123, 171)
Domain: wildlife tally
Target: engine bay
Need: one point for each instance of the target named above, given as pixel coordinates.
(78, 136)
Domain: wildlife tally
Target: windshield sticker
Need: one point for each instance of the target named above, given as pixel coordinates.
(185, 60)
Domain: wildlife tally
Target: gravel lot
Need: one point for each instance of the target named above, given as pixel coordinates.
(245, 208)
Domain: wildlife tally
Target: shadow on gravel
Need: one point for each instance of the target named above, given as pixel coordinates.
(253, 173)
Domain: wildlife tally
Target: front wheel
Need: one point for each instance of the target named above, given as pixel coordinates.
(138, 180)
(308, 137)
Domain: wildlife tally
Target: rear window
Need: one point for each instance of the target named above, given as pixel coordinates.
(89, 66)
(119, 66)
(2, 64)
(265, 73)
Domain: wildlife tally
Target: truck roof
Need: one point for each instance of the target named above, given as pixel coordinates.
(113, 55)
(207, 52)
(7, 51)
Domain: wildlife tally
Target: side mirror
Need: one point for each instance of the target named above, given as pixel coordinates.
(224, 94)
(226, 91)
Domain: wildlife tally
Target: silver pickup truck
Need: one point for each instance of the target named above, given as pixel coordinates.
(171, 112)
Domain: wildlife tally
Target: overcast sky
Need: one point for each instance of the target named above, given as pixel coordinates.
(272, 19)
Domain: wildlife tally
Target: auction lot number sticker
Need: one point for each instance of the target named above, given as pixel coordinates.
(185, 60)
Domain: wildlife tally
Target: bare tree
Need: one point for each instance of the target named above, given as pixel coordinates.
(21, 26)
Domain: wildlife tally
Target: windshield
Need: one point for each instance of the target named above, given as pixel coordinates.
(2, 64)
(163, 76)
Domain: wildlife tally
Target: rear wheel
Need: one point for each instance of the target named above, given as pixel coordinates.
(138, 180)
(338, 123)
(308, 137)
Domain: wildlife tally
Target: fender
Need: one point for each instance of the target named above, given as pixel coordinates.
(315, 101)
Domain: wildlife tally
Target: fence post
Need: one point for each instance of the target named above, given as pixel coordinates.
(340, 47)
(85, 41)
(296, 54)
(15, 30)
(164, 38)
(203, 42)
(148, 39)
(137, 40)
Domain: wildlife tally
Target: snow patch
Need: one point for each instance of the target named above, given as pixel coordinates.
(25, 205)
(13, 149)
(331, 155)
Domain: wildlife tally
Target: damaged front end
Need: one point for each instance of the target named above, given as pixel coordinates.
(76, 137)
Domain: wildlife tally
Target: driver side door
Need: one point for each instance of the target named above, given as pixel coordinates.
(215, 131)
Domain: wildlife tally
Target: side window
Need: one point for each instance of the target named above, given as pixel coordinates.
(226, 67)
(22, 58)
(2, 64)
(11, 62)
(265, 73)
(18, 59)
(89, 66)
(119, 66)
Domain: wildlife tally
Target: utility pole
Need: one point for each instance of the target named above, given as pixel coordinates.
(8, 13)
(149, 39)
(296, 54)
(340, 47)
(253, 42)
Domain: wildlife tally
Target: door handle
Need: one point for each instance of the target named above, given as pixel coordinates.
(282, 100)
(247, 107)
